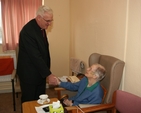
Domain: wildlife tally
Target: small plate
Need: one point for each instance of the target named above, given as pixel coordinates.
(39, 101)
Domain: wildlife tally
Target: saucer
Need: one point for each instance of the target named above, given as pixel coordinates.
(39, 101)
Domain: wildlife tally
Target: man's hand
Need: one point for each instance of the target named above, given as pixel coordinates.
(52, 80)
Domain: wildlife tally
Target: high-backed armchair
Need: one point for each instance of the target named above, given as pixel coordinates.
(114, 71)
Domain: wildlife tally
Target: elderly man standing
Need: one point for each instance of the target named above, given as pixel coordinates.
(34, 57)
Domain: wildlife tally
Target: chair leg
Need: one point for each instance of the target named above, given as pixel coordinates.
(109, 111)
(17, 94)
(114, 110)
(13, 92)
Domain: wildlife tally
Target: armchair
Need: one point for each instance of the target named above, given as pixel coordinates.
(122, 102)
(114, 70)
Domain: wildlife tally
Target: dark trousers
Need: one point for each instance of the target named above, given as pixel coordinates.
(31, 91)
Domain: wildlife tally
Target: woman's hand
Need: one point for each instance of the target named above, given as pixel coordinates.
(57, 80)
(68, 102)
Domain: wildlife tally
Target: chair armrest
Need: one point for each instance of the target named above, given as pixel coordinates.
(100, 107)
(87, 105)
(61, 92)
(13, 74)
(59, 89)
(71, 108)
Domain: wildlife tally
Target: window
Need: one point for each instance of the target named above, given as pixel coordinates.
(11, 25)
(0, 26)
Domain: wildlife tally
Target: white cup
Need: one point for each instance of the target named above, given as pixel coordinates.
(43, 97)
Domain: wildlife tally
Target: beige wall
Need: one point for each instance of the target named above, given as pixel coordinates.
(59, 36)
(132, 78)
(98, 26)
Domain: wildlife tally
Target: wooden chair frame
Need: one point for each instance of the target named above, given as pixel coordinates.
(15, 87)
(113, 106)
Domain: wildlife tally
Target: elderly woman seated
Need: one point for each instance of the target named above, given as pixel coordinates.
(89, 88)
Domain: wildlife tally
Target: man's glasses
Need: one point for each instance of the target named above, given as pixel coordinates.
(48, 21)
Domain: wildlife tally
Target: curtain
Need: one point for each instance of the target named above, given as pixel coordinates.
(15, 14)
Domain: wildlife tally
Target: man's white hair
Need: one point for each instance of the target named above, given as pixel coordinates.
(42, 9)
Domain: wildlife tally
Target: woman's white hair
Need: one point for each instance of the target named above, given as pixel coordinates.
(42, 9)
(100, 72)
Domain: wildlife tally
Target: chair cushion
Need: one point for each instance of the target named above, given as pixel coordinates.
(6, 66)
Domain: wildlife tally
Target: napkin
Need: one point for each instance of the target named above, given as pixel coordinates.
(56, 105)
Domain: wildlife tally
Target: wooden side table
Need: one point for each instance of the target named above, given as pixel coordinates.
(29, 107)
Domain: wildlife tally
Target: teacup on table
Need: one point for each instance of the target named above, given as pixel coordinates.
(44, 98)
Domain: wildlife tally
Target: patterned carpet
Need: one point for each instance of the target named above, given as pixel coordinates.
(6, 102)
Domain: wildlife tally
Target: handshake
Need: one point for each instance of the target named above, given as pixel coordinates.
(53, 80)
